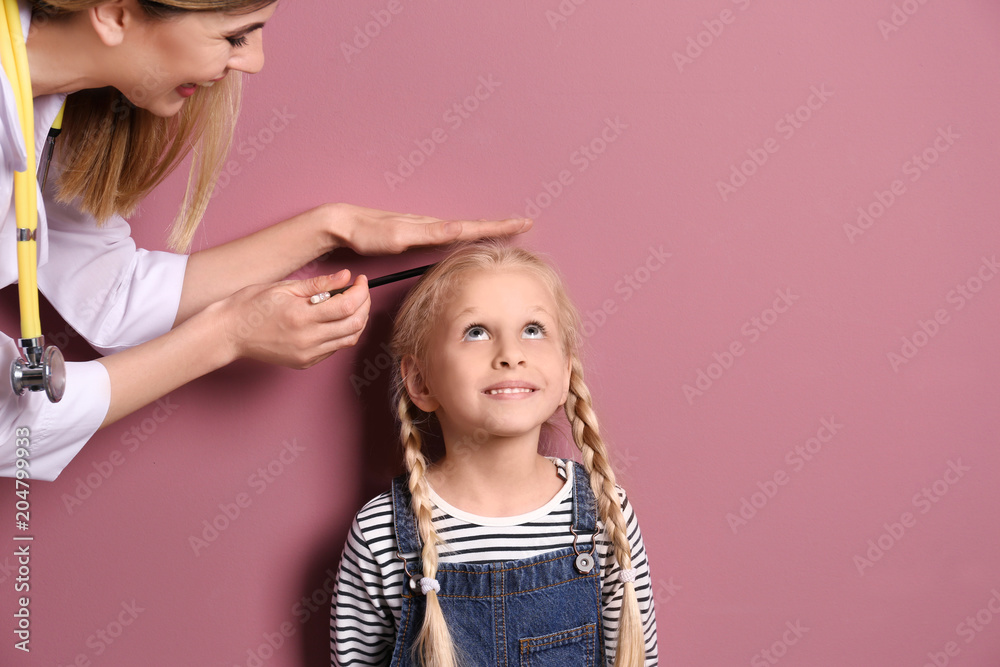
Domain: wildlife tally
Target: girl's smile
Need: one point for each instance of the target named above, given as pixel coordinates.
(510, 389)
(495, 362)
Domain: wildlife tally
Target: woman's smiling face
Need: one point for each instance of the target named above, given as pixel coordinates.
(495, 361)
(167, 59)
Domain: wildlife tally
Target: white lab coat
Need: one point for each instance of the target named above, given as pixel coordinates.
(114, 295)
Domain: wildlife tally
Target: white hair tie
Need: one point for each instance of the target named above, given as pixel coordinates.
(427, 584)
(628, 575)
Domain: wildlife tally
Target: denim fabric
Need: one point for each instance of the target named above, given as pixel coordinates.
(533, 612)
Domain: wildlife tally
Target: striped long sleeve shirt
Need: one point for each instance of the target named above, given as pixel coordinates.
(368, 596)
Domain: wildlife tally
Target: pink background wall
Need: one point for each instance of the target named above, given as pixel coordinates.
(841, 375)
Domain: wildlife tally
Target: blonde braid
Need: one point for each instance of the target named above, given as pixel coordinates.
(434, 643)
(586, 435)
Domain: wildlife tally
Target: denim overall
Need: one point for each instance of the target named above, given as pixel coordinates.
(534, 612)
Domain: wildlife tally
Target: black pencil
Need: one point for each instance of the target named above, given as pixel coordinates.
(375, 282)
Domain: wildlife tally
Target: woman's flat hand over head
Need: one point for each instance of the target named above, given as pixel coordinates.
(277, 323)
(369, 231)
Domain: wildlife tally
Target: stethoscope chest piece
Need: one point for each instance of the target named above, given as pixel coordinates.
(43, 368)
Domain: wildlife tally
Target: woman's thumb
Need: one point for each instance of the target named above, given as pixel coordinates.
(325, 283)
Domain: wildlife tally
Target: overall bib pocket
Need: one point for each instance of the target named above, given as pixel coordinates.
(560, 649)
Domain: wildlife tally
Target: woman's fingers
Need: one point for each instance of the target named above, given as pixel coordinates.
(477, 229)
(277, 323)
(373, 232)
(440, 232)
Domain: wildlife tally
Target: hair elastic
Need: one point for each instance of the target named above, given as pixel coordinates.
(628, 575)
(427, 584)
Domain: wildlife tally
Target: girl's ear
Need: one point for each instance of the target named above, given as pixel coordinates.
(416, 384)
(109, 20)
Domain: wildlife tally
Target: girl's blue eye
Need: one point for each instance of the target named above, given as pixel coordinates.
(534, 330)
(237, 41)
(475, 332)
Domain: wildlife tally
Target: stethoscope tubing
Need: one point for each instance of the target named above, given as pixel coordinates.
(39, 368)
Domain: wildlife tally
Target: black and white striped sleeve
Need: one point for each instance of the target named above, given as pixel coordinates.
(362, 625)
(613, 589)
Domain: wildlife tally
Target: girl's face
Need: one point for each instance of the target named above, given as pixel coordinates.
(495, 363)
(166, 60)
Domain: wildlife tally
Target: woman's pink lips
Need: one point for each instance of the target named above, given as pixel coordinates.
(185, 90)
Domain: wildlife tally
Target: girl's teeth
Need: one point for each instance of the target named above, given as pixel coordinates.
(207, 84)
(516, 390)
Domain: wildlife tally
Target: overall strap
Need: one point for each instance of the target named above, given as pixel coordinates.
(404, 523)
(584, 502)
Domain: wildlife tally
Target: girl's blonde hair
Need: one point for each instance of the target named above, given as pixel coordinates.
(410, 338)
(113, 153)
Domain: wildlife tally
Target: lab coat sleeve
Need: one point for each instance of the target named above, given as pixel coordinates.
(114, 295)
(55, 431)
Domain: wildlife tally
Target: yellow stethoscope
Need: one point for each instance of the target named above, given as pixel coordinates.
(40, 368)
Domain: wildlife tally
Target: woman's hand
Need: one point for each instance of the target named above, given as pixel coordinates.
(277, 323)
(368, 231)
(273, 323)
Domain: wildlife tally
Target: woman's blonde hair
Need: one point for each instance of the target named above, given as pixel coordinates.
(113, 153)
(410, 338)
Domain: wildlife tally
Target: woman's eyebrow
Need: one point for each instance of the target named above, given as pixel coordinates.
(246, 31)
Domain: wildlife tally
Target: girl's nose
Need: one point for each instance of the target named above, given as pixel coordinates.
(509, 354)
